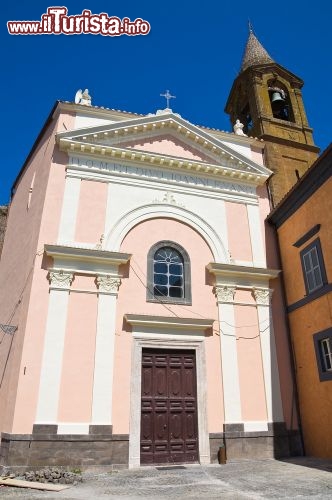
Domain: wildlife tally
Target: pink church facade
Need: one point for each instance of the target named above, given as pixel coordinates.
(146, 293)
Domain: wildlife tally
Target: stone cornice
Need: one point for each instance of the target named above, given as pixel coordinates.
(87, 254)
(241, 276)
(106, 113)
(167, 323)
(134, 157)
(105, 142)
(84, 260)
(117, 115)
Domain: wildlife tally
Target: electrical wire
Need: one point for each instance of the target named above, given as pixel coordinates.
(217, 332)
(13, 313)
(192, 312)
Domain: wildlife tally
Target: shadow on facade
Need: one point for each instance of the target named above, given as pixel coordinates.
(287, 435)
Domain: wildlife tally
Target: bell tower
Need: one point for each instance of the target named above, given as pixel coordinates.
(267, 99)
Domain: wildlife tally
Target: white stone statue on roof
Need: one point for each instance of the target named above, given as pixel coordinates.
(238, 128)
(83, 97)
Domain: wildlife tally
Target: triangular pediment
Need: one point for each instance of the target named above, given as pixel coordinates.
(165, 139)
(166, 142)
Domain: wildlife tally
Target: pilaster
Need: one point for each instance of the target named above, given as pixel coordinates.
(263, 297)
(50, 377)
(69, 209)
(104, 265)
(102, 396)
(230, 371)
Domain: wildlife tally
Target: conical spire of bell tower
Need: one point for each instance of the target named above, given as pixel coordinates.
(267, 99)
(254, 52)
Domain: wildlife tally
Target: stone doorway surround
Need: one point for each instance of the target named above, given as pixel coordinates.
(167, 333)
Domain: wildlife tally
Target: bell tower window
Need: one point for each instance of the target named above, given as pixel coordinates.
(246, 119)
(280, 102)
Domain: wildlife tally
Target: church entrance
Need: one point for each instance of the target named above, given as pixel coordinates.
(169, 430)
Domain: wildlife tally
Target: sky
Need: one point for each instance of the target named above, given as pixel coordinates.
(194, 49)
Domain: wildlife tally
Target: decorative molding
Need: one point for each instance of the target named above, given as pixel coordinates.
(85, 260)
(92, 141)
(168, 323)
(242, 276)
(263, 296)
(202, 179)
(99, 245)
(86, 254)
(224, 293)
(60, 279)
(214, 238)
(108, 284)
(168, 199)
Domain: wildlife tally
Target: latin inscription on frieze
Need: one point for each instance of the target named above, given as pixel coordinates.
(160, 175)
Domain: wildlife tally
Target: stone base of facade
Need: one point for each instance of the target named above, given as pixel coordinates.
(44, 447)
(276, 442)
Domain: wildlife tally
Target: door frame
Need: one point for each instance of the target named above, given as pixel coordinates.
(167, 341)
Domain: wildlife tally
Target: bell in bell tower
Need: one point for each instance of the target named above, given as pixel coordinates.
(267, 99)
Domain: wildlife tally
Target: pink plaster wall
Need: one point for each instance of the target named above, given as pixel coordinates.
(132, 299)
(90, 221)
(84, 282)
(75, 399)
(244, 296)
(19, 268)
(257, 155)
(239, 243)
(167, 144)
(253, 403)
(46, 200)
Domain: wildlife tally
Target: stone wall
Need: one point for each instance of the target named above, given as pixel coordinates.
(44, 447)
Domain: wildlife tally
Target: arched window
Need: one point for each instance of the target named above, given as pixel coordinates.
(280, 101)
(168, 273)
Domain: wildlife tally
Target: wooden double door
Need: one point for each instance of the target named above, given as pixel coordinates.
(169, 430)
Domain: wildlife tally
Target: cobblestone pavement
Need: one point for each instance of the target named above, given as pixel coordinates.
(300, 478)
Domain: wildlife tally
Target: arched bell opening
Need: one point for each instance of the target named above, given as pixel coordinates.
(280, 101)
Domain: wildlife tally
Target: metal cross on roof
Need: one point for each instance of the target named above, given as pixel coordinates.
(168, 96)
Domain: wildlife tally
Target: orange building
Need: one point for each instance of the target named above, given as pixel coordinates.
(303, 221)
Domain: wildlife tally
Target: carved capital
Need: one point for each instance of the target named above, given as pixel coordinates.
(60, 279)
(108, 284)
(262, 296)
(224, 293)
